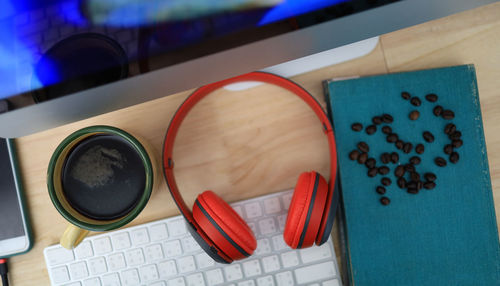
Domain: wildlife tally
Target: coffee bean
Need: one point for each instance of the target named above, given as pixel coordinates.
(354, 155)
(399, 144)
(370, 163)
(414, 176)
(412, 191)
(440, 161)
(454, 157)
(448, 114)
(407, 147)
(385, 158)
(371, 129)
(362, 158)
(394, 157)
(391, 138)
(372, 172)
(415, 101)
(357, 127)
(409, 168)
(457, 143)
(363, 147)
(387, 118)
(430, 177)
(448, 148)
(399, 171)
(431, 97)
(428, 136)
(415, 160)
(385, 201)
(401, 183)
(405, 95)
(386, 181)
(455, 135)
(386, 130)
(381, 190)
(420, 185)
(377, 120)
(411, 184)
(384, 170)
(419, 148)
(438, 110)
(429, 185)
(414, 115)
(450, 128)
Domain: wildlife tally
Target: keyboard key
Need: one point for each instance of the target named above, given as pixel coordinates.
(252, 268)
(74, 284)
(177, 227)
(116, 261)
(271, 263)
(247, 283)
(130, 277)
(78, 270)
(148, 273)
(253, 210)
(134, 257)
(286, 200)
(158, 232)
(190, 245)
(154, 252)
(204, 260)
(97, 265)
(272, 205)
(253, 227)
(267, 226)
(159, 283)
(315, 253)
(111, 280)
(121, 241)
(315, 272)
(233, 272)
(285, 279)
(59, 255)
(195, 280)
(167, 269)
(282, 222)
(263, 247)
(84, 250)
(172, 248)
(102, 245)
(214, 277)
(140, 236)
(60, 274)
(333, 282)
(279, 243)
(186, 264)
(176, 282)
(92, 282)
(290, 259)
(265, 281)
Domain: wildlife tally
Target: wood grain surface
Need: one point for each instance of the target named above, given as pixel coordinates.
(244, 144)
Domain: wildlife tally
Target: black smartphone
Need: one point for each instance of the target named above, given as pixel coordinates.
(15, 234)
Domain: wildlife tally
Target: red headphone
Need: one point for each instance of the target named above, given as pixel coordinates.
(219, 230)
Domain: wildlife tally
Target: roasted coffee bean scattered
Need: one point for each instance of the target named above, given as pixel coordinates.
(399, 144)
(428, 137)
(399, 171)
(415, 101)
(377, 120)
(412, 191)
(414, 176)
(387, 130)
(440, 161)
(420, 185)
(414, 115)
(387, 118)
(419, 148)
(455, 135)
(429, 185)
(415, 160)
(401, 182)
(362, 158)
(386, 181)
(385, 158)
(384, 170)
(448, 148)
(391, 138)
(409, 168)
(431, 97)
(430, 177)
(450, 128)
(407, 147)
(363, 147)
(357, 126)
(372, 172)
(411, 184)
(438, 110)
(370, 129)
(354, 155)
(381, 190)
(385, 201)
(370, 163)
(448, 114)
(457, 143)
(405, 95)
(394, 157)
(454, 157)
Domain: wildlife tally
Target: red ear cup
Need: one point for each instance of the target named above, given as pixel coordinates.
(228, 231)
(306, 210)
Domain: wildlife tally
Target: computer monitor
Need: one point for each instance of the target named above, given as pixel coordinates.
(66, 60)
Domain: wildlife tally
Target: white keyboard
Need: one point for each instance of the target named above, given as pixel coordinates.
(163, 253)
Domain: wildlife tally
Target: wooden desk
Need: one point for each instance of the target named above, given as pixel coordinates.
(243, 146)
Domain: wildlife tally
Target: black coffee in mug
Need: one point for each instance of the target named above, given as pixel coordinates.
(103, 177)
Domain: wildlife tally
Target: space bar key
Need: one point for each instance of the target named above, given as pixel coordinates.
(315, 272)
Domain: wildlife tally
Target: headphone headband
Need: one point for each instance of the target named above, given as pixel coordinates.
(200, 93)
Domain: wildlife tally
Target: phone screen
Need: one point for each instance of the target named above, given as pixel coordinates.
(11, 220)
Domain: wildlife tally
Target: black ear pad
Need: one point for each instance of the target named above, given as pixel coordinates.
(212, 251)
(329, 217)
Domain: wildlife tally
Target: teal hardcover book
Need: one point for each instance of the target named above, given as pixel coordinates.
(444, 235)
